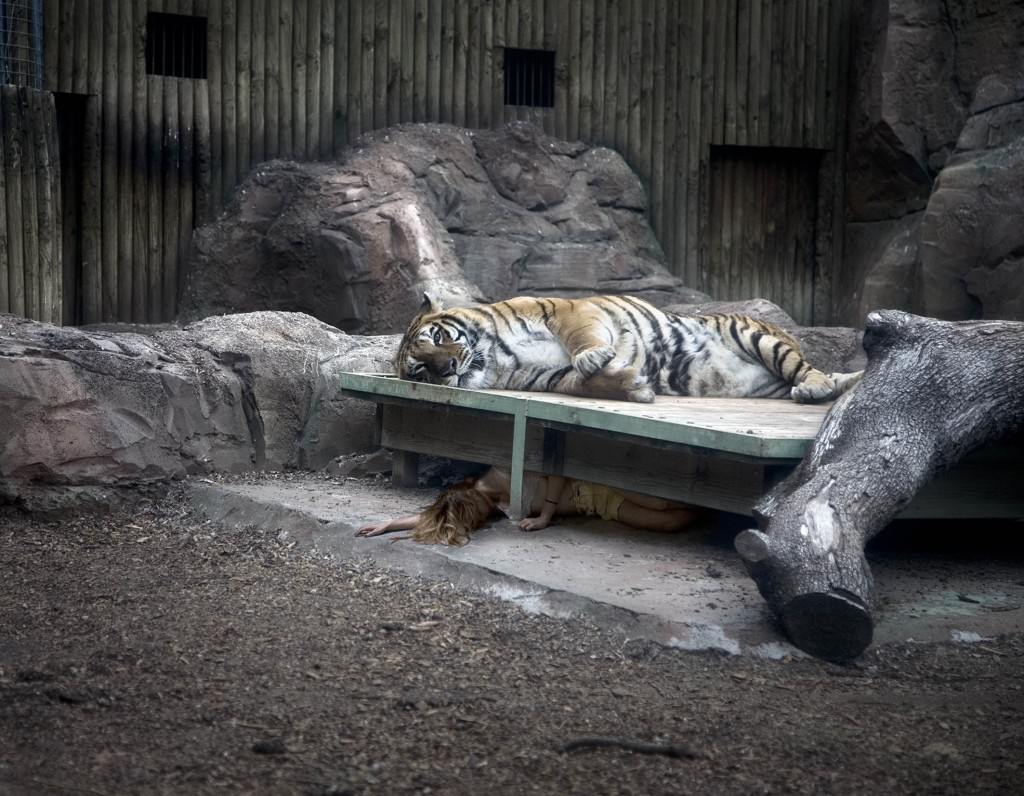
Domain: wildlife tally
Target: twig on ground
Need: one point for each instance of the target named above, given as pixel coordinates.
(640, 747)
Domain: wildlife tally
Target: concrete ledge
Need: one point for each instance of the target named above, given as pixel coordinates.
(681, 590)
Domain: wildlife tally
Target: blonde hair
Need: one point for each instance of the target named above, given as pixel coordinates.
(454, 515)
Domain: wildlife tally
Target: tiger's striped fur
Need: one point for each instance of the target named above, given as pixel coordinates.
(608, 347)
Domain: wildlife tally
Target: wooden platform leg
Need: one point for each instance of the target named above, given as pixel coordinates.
(404, 468)
(516, 498)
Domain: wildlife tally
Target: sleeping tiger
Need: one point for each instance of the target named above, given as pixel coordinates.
(608, 347)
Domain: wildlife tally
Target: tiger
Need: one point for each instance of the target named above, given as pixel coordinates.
(616, 347)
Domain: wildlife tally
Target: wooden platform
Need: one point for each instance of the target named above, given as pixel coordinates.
(719, 453)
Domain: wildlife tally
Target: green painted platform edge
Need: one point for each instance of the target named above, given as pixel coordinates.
(584, 417)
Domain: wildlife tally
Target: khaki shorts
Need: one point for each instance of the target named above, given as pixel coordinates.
(596, 500)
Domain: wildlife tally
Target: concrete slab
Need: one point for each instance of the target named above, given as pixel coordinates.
(684, 590)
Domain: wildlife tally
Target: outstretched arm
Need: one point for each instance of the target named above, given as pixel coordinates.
(554, 491)
(399, 524)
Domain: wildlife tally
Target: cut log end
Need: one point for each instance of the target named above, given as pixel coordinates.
(752, 546)
(832, 625)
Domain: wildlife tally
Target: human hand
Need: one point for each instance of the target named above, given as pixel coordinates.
(377, 529)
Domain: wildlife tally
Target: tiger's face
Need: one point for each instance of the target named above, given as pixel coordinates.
(436, 348)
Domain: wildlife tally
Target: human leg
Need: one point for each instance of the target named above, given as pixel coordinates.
(666, 520)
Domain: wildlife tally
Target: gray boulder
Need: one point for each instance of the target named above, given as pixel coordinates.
(465, 215)
(102, 410)
(973, 221)
(935, 111)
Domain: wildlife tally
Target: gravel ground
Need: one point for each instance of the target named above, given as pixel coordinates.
(146, 651)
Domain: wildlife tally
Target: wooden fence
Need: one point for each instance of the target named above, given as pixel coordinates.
(30, 255)
(662, 81)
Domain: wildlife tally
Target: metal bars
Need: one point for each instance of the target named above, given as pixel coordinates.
(21, 43)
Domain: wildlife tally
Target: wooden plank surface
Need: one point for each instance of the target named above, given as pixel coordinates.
(751, 427)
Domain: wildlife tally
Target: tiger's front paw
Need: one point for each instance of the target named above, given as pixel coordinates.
(592, 360)
(816, 387)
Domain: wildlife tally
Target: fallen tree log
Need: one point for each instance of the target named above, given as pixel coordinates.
(932, 392)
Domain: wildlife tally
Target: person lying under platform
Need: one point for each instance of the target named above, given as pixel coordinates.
(465, 507)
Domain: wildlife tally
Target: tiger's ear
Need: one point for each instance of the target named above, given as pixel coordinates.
(430, 305)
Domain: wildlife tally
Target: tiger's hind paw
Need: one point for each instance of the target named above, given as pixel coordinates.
(641, 395)
(819, 386)
(590, 361)
(815, 388)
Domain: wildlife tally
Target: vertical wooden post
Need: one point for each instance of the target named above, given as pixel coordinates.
(311, 118)
(171, 189)
(287, 71)
(186, 185)
(328, 47)
(367, 43)
(354, 104)
(258, 84)
(496, 54)
(15, 239)
(341, 77)
(471, 46)
(229, 86)
(573, 21)
(485, 91)
(51, 53)
(586, 71)
(623, 87)
(203, 159)
(379, 79)
(80, 68)
(50, 275)
(242, 69)
(300, 29)
(272, 77)
(215, 91)
(64, 45)
(393, 74)
(408, 16)
(446, 81)
(92, 302)
(419, 60)
(107, 67)
(459, 75)
(435, 49)
(123, 163)
(30, 198)
(5, 269)
(140, 187)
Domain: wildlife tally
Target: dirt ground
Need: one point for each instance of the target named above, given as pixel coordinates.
(146, 651)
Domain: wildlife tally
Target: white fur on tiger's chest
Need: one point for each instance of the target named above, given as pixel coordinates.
(538, 348)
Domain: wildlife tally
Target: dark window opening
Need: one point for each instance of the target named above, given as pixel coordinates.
(175, 45)
(530, 77)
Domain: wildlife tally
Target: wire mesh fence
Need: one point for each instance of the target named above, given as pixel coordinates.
(21, 43)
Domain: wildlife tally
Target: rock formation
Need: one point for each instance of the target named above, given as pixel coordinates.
(465, 215)
(94, 411)
(935, 181)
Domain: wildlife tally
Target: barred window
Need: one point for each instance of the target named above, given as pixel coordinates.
(530, 77)
(176, 45)
(21, 43)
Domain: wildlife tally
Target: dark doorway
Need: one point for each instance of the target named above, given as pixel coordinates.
(70, 135)
(763, 209)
